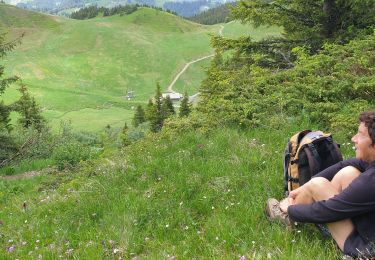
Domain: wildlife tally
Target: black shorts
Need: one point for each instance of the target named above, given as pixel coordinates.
(355, 246)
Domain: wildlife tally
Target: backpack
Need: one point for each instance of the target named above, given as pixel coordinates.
(306, 154)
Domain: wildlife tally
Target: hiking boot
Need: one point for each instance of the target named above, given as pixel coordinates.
(274, 212)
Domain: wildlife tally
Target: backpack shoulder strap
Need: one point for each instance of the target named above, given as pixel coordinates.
(291, 160)
(313, 158)
(333, 149)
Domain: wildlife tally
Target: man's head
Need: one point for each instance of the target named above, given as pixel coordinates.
(364, 140)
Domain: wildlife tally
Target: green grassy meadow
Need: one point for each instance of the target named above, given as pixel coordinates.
(81, 70)
(74, 65)
(198, 196)
(191, 79)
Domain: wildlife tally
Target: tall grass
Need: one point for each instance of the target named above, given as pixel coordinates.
(26, 166)
(195, 196)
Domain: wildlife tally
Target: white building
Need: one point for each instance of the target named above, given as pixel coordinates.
(174, 96)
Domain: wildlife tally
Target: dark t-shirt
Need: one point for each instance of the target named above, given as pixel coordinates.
(356, 202)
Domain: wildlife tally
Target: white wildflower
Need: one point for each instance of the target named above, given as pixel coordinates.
(11, 248)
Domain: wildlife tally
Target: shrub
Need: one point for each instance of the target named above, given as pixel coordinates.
(71, 153)
(330, 88)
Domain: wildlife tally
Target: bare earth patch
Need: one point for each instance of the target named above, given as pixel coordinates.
(29, 174)
(38, 73)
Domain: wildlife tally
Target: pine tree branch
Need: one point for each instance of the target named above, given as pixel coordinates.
(20, 151)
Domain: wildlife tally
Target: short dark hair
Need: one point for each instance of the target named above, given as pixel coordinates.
(368, 118)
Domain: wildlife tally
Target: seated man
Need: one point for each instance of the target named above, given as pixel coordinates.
(342, 196)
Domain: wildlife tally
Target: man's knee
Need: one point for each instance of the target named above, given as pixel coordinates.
(321, 189)
(318, 183)
(344, 177)
(348, 172)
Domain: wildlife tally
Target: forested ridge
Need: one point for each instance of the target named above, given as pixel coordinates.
(220, 14)
(94, 11)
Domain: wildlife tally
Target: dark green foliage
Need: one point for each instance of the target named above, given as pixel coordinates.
(167, 108)
(122, 10)
(313, 22)
(86, 12)
(125, 141)
(321, 68)
(220, 14)
(93, 11)
(186, 8)
(185, 106)
(4, 117)
(305, 23)
(69, 154)
(7, 145)
(139, 116)
(149, 110)
(139, 132)
(156, 113)
(29, 110)
(331, 88)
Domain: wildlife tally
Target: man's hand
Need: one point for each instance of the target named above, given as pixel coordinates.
(285, 203)
(294, 193)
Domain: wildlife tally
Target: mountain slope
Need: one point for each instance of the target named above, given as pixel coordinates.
(87, 67)
(81, 70)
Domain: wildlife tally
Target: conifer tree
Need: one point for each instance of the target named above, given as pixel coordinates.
(158, 98)
(124, 136)
(149, 110)
(4, 118)
(185, 106)
(167, 108)
(7, 145)
(29, 110)
(308, 23)
(139, 116)
(156, 114)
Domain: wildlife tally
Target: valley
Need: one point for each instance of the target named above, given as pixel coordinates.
(81, 71)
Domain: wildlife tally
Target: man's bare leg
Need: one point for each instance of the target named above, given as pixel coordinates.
(321, 189)
(344, 177)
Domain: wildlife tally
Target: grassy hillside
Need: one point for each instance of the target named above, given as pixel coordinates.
(197, 196)
(78, 66)
(191, 79)
(81, 70)
(11, 16)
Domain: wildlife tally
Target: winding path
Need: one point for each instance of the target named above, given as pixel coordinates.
(170, 87)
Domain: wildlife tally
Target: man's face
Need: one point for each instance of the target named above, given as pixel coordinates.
(364, 150)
